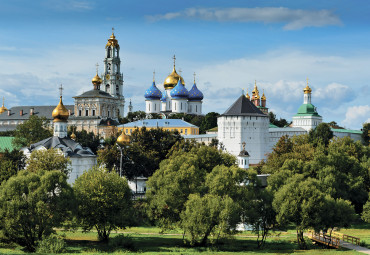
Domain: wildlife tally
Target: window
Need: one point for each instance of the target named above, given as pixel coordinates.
(196, 108)
(181, 106)
(155, 107)
(175, 106)
(126, 130)
(79, 112)
(86, 112)
(186, 131)
(149, 107)
(108, 113)
(93, 112)
(181, 131)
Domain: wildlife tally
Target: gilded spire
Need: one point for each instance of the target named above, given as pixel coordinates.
(194, 77)
(174, 61)
(3, 108)
(154, 76)
(60, 113)
(263, 98)
(247, 95)
(307, 89)
(112, 41)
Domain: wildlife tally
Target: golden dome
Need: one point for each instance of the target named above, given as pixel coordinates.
(3, 108)
(257, 96)
(112, 41)
(171, 81)
(60, 113)
(123, 138)
(73, 136)
(96, 80)
(255, 90)
(307, 90)
(263, 98)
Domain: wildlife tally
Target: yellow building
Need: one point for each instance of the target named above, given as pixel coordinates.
(183, 127)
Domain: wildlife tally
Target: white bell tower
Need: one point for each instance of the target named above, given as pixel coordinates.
(113, 78)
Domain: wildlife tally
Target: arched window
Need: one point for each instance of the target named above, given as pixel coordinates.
(108, 55)
(107, 88)
(117, 89)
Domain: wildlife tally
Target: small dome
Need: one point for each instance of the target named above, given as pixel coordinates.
(73, 136)
(164, 97)
(179, 91)
(123, 138)
(172, 79)
(112, 41)
(96, 80)
(195, 94)
(60, 113)
(3, 108)
(153, 93)
(307, 90)
(263, 98)
(244, 153)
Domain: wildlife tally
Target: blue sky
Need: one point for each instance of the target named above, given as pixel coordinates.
(229, 44)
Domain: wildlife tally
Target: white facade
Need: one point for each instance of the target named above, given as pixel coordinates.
(179, 105)
(306, 122)
(195, 107)
(253, 130)
(152, 106)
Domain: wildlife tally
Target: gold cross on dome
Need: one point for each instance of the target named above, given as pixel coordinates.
(97, 68)
(112, 30)
(174, 60)
(180, 71)
(153, 75)
(307, 81)
(194, 77)
(61, 90)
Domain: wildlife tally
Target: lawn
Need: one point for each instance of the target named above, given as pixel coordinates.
(149, 241)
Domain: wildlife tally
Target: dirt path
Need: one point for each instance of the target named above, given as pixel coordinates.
(354, 247)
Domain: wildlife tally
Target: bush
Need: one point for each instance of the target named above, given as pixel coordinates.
(51, 244)
(121, 241)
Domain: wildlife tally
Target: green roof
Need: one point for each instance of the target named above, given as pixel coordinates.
(346, 131)
(273, 126)
(6, 143)
(307, 110)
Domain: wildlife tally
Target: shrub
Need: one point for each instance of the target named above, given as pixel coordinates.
(51, 244)
(121, 241)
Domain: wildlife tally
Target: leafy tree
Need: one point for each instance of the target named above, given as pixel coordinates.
(86, 139)
(133, 116)
(366, 133)
(10, 163)
(210, 121)
(31, 131)
(280, 123)
(104, 202)
(210, 214)
(48, 160)
(32, 204)
(321, 134)
(7, 133)
(178, 177)
(366, 212)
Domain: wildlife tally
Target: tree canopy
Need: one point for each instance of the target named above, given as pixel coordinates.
(32, 204)
(277, 122)
(110, 198)
(31, 131)
(11, 162)
(48, 160)
(86, 139)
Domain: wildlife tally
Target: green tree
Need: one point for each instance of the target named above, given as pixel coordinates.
(48, 160)
(366, 133)
(366, 212)
(32, 204)
(31, 131)
(280, 123)
(104, 202)
(86, 139)
(133, 116)
(321, 134)
(210, 121)
(10, 163)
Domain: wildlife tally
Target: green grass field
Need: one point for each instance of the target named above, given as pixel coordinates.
(148, 240)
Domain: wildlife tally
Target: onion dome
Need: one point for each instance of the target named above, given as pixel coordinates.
(153, 92)
(96, 80)
(60, 113)
(263, 98)
(123, 139)
(307, 90)
(195, 94)
(247, 96)
(3, 108)
(112, 41)
(172, 79)
(255, 90)
(73, 136)
(179, 91)
(164, 96)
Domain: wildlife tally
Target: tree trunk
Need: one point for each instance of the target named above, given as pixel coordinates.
(300, 239)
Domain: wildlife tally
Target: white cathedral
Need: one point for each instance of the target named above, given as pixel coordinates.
(175, 98)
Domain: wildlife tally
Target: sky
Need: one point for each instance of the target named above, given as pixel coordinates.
(229, 44)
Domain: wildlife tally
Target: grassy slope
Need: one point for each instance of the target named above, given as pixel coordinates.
(148, 240)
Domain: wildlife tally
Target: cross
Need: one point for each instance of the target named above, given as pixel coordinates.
(174, 60)
(97, 68)
(112, 30)
(180, 71)
(61, 90)
(153, 75)
(3, 101)
(194, 77)
(307, 81)
(243, 143)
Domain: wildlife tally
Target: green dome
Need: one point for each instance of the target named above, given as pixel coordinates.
(307, 109)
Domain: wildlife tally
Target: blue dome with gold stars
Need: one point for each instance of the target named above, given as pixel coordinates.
(153, 93)
(164, 97)
(179, 91)
(195, 94)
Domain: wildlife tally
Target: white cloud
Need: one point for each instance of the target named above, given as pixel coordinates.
(293, 19)
(357, 115)
(334, 93)
(70, 5)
